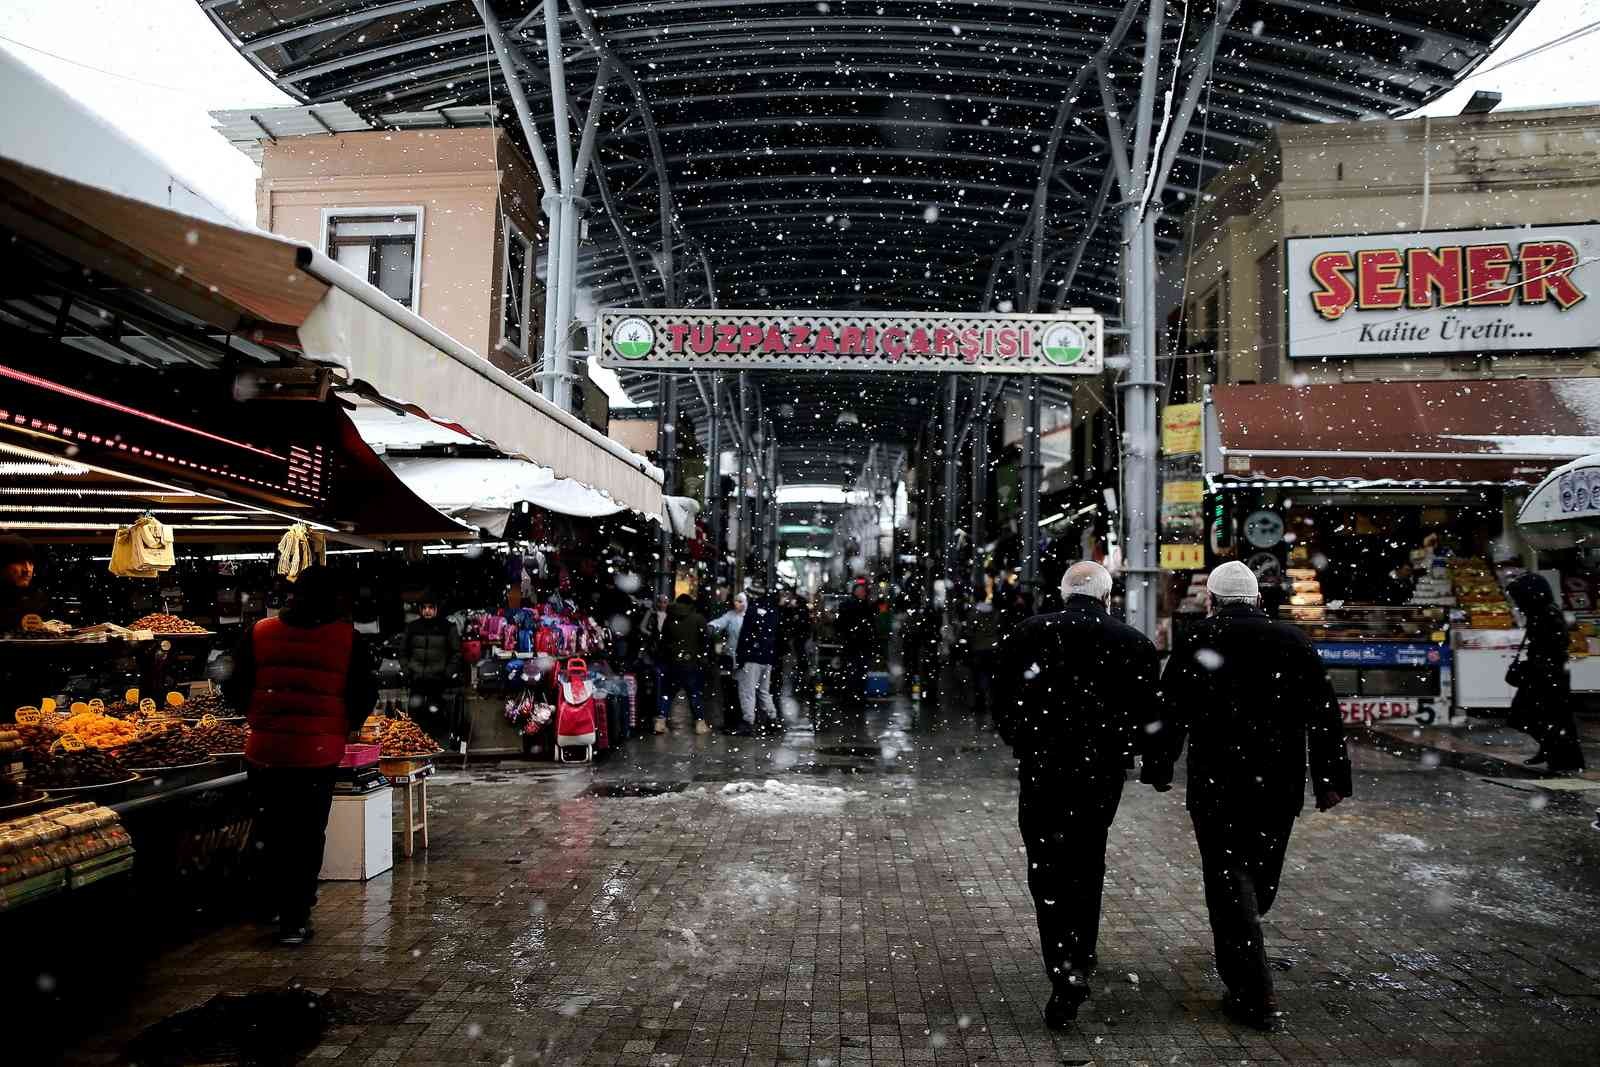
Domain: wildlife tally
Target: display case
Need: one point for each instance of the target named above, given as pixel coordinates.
(1386, 663)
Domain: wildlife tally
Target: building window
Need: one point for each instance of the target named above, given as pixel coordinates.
(382, 245)
(519, 320)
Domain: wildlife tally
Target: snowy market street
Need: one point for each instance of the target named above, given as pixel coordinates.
(859, 897)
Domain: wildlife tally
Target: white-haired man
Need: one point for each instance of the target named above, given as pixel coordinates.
(1077, 691)
(1251, 696)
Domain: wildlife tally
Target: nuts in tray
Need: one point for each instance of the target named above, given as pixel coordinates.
(10, 743)
(220, 737)
(160, 623)
(211, 703)
(169, 748)
(403, 737)
(88, 766)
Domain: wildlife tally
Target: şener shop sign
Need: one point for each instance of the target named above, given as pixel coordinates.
(670, 339)
(1443, 292)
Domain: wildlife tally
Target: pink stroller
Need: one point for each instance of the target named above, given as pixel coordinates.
(576, 708)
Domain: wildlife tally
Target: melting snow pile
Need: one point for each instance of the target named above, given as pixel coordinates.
(773, 797)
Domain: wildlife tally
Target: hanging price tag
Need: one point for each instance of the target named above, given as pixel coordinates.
(207, 721)
(97, 706)
(67, 743)
(147, 707)
(28, 715)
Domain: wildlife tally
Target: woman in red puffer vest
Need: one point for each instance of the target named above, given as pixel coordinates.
(305, 680)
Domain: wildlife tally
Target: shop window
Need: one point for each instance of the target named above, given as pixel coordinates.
(381, 245)
(518, 318)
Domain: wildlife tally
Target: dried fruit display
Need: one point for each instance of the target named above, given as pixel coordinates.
(10, 743)
(169, 748)
(220, 737)
(207, 704)
(36, 740)
(166, 624)
(404, 737)
(100, 731)
(64, 770)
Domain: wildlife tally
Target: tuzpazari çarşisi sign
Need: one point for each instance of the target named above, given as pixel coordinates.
(1443, 292)
(675, 339)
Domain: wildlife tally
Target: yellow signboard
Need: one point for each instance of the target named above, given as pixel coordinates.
(1180, 429)
(1183, 492)
(1183, 557)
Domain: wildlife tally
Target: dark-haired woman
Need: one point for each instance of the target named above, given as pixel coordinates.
(304, 680)
(1543, 702)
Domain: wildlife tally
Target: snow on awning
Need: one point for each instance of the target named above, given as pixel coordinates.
(1563, 511)
(485, 492)
(1508, 432)
(680, 512)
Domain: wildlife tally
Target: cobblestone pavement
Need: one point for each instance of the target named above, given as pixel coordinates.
(871, 908)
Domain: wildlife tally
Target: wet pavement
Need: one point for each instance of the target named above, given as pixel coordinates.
(858, 897)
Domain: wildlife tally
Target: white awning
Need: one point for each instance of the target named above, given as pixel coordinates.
(680, 512)
(485, 492)
(1563, 511)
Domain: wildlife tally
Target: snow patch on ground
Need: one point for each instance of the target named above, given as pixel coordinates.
(1402, 842)
(771, 797)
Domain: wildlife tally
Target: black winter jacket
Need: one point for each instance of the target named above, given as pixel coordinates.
(684, 640)
(1076, 691)
(1251, 697)
(431, 654)
(758, 635)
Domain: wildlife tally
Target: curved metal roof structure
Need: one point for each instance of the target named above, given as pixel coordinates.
(901, 154)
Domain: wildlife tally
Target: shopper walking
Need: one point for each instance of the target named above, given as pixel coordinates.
(1251, 697)
(684, 644)
(652, 656)
(983, 643)
(857, 633)
(1078, 692)
(430, 655)
(305, 680)
(759, 648)
(1542, 706)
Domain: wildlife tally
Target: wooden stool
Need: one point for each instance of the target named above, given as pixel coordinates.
(413, 786)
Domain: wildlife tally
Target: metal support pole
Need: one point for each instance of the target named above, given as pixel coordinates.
(1028, 528)
(742, 543)
(560, 390)
(552, 292)
(980, 488)
(773, 542)
(713, 486)
(952, 492)
(667, 453)
(1139, 419)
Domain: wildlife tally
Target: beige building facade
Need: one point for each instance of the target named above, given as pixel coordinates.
(446, 221)
(1448, 178)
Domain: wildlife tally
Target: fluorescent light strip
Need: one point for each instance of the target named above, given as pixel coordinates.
(72, 509)
(172, 490)
(114, 526)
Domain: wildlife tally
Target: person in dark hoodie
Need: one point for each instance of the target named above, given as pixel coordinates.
(305, 680)
(1543, 703)
(18, 597)
(431, 657)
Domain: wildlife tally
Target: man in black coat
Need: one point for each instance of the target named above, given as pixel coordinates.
(1251, 696)
(1077, 691)
(857, 632)
(431, 657)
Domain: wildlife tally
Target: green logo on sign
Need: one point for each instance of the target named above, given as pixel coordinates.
(633, 338)
(1063, 344)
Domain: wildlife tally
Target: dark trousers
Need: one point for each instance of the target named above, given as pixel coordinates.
(291, 822)
(680, 676)
(1067, 874)
(1241, 859)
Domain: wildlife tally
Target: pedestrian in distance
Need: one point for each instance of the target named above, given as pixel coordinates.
(305, 680)
(856, 630)
(683, 648)
(431, 658)
(1542, 706)
(759, 648)
(652, 657)
(1252, 699)
(1077, 693)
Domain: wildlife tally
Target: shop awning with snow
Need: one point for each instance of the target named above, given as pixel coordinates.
(1496, 432)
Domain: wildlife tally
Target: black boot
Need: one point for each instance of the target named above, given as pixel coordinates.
(1257, 1014)
(1069, 995)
